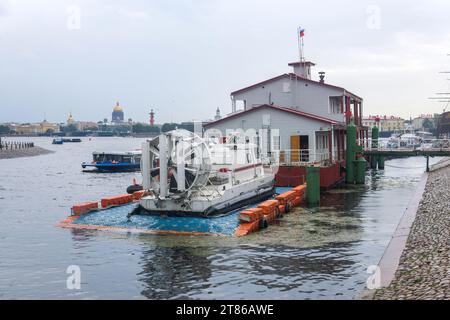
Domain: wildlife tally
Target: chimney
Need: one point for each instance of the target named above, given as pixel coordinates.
(322, 77)
(302, 68)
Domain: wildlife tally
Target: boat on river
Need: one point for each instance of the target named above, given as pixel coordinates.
(186, 175)
(114, 161)
(57, 141)
(71, 139)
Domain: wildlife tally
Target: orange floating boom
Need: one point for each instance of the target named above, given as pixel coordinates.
(84, 207)
(116, 201)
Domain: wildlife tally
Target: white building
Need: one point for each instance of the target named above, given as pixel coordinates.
(309, 115)
(417, 122)
(294, 135)
(296, 90)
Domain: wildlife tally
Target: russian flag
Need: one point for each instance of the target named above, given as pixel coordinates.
(302, 32)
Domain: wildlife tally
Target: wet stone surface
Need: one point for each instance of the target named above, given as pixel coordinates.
(424, 270)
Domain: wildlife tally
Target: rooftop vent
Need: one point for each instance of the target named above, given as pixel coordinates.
(322, 76)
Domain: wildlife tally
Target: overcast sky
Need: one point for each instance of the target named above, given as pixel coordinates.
(183, 58)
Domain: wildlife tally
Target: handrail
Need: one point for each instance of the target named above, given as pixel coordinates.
(296, 157)
(410, 144)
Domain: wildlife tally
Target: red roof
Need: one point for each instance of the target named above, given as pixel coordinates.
(293, 75)
(275, 107)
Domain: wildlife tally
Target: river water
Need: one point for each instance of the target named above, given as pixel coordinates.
(319, 254)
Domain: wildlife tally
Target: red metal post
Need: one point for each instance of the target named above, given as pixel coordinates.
(338, 139)
(330, 145)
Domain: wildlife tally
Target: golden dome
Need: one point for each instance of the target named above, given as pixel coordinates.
(118, 107)
(70, 119)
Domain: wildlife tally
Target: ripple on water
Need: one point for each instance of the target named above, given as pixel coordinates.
(321, 253)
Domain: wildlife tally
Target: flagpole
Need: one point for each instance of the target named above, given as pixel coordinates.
(299, 44)
(303, 50)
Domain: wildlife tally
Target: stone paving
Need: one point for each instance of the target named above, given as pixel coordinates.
(424, 270)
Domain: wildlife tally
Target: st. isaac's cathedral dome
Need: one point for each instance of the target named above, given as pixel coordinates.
(117, 114)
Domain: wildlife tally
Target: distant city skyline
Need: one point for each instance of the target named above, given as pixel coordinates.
(184, 59)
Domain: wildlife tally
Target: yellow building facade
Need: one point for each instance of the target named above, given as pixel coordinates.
(385, 123)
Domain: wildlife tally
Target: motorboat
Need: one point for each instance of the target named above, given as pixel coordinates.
(71, 139)
(186, 175)
(114, 161)
(405, 140)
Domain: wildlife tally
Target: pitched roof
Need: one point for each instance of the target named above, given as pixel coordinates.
(275, 107)
(293, 75)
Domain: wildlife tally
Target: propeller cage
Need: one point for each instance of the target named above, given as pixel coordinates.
(174, 163)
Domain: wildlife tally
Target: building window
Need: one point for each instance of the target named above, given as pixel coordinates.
(276, 143)
(241, 105)
(334, 105)
(286, 87)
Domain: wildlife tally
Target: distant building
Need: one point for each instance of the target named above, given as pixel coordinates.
(47, 127)
(384, 123)
(43, 127)
(117, 114)
(217, 116)
(86, 125)
(70, 119)
(418, 122)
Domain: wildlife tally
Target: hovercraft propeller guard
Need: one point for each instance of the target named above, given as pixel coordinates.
(184, 175)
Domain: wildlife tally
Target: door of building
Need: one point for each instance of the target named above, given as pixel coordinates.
(299, 148)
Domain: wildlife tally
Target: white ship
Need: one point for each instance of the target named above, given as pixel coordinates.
(188, 175)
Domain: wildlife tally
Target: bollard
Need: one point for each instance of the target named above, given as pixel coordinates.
(313, 186)
(360, 168)
(373, 162)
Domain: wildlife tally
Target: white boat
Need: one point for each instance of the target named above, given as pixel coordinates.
(188, 175)
(405, 140)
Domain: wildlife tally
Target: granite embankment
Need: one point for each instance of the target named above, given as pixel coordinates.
(424, 269)
(27, 152)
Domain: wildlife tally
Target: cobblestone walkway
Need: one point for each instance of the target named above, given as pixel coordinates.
(424, 270)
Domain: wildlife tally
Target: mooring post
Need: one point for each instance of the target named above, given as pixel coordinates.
(380, 161)
(374, 145)
(375, 137)
(428, 164)
(360, 166)
(350, 153)
(312, 186)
